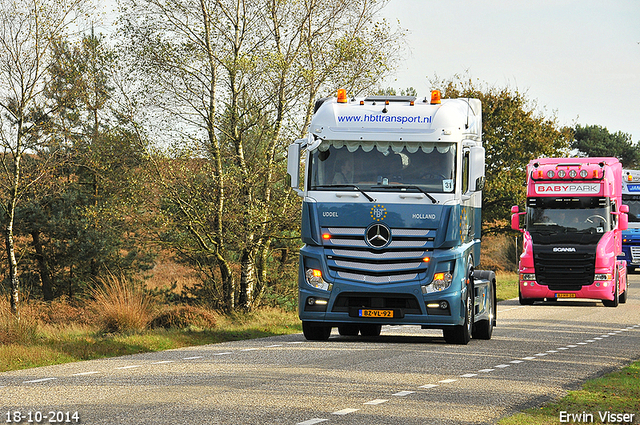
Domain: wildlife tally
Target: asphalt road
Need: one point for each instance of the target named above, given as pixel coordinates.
(406, 376)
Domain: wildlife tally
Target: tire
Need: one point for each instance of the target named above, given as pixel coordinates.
(524, 301)
(614, 302)
(483, 329)
(348, 330)
(315, 333)
(623, 297)
(461, 334)
(370, 330)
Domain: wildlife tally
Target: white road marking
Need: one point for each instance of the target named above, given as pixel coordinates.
(552, 351)
(468, 375)
(130, 367)
(541, 354)
(604, 336)
(251, 349)
(572, 346)
(447, 381)
(427, 386)
(501, 366)
(312, 421)
(38, 380)
(376, 401)
(85, 373)
(590, 340)
(222, 354)
(597, 338)
(403, 393)
(164, 362)
(581, 343)
(562, 348)
(516, 361)
(528, 358)
(274, 345)
(345, 411)
(486, 370)
(192, 358)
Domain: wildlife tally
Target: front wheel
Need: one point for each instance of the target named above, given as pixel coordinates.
(461, 334)
(315, 332)
(524, 301)
(614, 302)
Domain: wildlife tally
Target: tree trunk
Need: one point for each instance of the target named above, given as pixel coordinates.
(45, 275)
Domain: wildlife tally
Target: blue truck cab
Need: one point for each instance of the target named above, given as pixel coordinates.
(631, 236)
(391, 217)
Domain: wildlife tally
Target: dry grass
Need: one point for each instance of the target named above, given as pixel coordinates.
(120, 305)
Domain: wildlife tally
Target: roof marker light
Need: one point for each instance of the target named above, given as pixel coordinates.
(435, 97)
(342, 96)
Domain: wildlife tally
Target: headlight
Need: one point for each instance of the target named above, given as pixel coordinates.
(527, 276)
(604, 276)
(314, 278)
(440, 282)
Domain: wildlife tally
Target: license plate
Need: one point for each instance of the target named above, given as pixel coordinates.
(375, 313)
(565, 295)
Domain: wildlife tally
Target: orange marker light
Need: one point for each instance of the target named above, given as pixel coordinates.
(426, 259)
(435, 97)
(326, 236)
(342, 96)
(317, 273)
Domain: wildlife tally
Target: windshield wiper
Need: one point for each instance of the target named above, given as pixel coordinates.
(346, 185)
(418, 188)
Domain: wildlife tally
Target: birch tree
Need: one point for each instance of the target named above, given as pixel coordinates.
(28, 30)
(240, 77)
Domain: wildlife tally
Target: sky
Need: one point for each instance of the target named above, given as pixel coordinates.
(577, 58)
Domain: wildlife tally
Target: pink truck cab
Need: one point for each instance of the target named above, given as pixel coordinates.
(573, 224)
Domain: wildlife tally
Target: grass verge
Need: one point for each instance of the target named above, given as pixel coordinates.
(617, 393)
(70, 343)
(506, 285)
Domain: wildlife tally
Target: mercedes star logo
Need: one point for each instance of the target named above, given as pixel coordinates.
(378, 235)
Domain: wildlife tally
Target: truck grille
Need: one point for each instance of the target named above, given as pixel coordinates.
(350, 257)
(565, 271)
(407, 303)
(635, 254)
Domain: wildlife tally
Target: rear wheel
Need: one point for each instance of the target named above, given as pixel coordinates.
(483, 329)
(315, 332)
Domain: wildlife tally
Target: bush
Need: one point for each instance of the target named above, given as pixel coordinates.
(120, 305)
(184, 316)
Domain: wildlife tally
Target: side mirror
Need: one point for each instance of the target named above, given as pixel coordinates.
(515, 218)
(293, 164)
(623, 218)
(476, 168)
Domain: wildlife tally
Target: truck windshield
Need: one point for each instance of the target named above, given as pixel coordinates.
(370, 166)
(634, 207)
(553, 216)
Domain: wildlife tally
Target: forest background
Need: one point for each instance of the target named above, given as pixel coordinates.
(156, 158)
